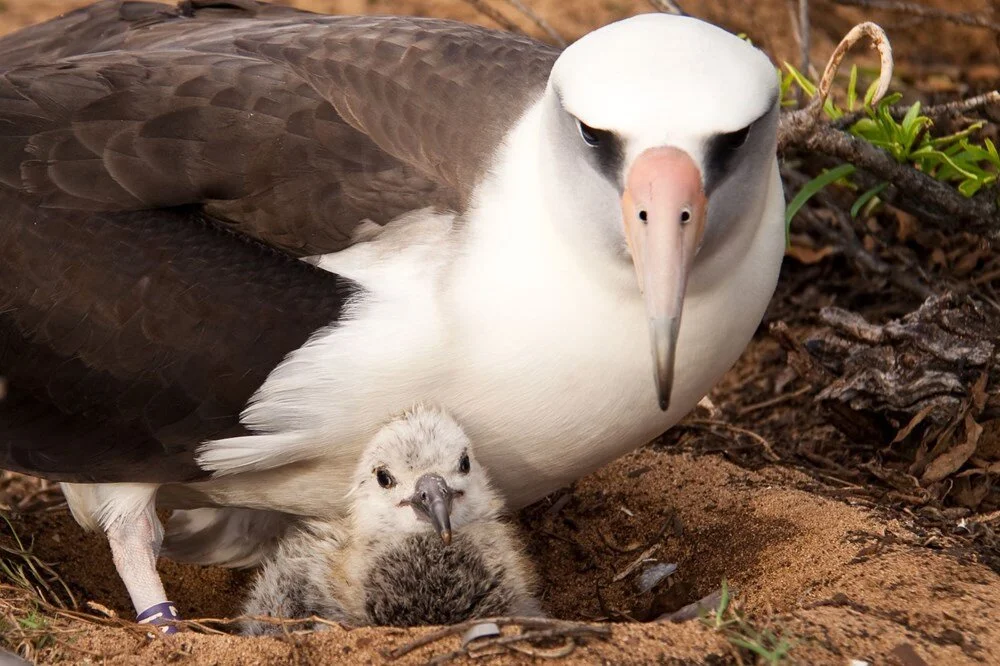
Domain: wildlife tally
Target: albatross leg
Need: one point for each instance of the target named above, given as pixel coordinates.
(126, 513)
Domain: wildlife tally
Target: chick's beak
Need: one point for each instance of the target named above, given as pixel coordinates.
(663, 208)
(432, 498)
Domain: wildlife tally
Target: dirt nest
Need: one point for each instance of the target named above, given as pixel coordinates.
(838, 580)
(763, 493)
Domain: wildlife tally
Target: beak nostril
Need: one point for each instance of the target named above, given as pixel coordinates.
(685, 216)
(642, 215)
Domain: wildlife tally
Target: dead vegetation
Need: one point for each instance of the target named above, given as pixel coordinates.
(843, 478)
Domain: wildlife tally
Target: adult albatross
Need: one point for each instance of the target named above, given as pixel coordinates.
(494, 227)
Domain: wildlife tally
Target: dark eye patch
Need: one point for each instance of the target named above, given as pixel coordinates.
(606, 147)
(722, 153)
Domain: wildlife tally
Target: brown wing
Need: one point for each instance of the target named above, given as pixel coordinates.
(133, 326)
(128, 338)
(292, 129)
(102, 25)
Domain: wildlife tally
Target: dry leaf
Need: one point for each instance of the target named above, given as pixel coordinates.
(983, 73)
(914, 422)
(938, 258)
(968, 262)
(907, 225)
(949, 461)
(978, 393)
(969, 492)
(807, 255)
(989, 443)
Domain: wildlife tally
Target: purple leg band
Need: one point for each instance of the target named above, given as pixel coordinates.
(160, 615)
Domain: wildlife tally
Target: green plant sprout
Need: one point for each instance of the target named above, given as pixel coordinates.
(953, 159)
(767, 646)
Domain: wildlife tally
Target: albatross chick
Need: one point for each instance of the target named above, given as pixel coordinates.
(423, 542)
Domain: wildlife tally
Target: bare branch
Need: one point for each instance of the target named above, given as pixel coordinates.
(798, 16)
(922, 11)
(667, 7)
(923, 195)
(533, 628)
(805, 28)
(879, 40)
(937, 113)
(537, 20)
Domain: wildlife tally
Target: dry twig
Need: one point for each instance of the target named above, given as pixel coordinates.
(491, 13)
(533, 16)
(796, 126)
(881, 43)
(768, 451)
(937, 113)
(766, 404)
(667, 7)
(799, 13)
(923, 11)
(533, 629)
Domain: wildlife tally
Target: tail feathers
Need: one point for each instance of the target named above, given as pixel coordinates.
(252, 453)
(234, 538)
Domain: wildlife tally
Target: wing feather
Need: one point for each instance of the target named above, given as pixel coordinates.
(133, 324)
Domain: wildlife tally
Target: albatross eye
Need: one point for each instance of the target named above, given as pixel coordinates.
(733, 141)
(384, 478)
(722, 153)
(463, 464)
(591, 136)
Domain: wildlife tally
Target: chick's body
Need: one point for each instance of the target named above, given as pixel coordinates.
(389, 563)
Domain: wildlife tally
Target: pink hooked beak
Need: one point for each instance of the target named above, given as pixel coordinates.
(664, 212)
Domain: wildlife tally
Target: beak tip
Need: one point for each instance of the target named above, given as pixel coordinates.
(664, 403)
(446, 537)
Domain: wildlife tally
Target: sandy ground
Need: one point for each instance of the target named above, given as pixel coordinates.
(840, 581)
(841, 576)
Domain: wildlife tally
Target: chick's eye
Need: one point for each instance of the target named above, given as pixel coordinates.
(591, 136)
(384, 478)
(463, 464)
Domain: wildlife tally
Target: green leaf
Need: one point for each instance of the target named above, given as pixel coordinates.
(723, 598)
(800, 80)
(943, 141)
(970, 187)
(860, 202)
(852, 88)
(812, 187)
(954, 165)
(994, 157)
(870, 92)
(911, 116)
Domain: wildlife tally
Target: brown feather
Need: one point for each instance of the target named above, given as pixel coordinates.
(133, 325)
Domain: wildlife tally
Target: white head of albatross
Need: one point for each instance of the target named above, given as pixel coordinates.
(662, 133)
